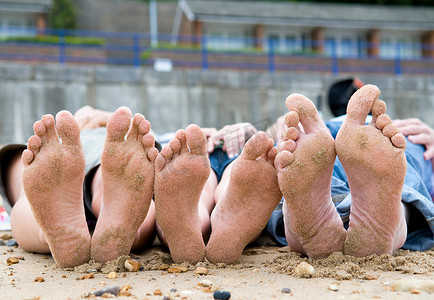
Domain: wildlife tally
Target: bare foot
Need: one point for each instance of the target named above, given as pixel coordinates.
(252, 195)
(127, 165)
(182, 168)
(53, 183)
(304, 166)
(374, 162)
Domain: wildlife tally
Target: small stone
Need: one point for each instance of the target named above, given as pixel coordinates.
(91, 271)
(2, 243)
(286, 290)
(110, 290)
(205, 283)
(333, 287)
(371, 276)
(174, 269)
(158, 292)
(87, 276)
(12, 260)
(173, 290)
(223, 295)
(183, 269)
(201, 271)
(11, 243)
(6, 237)
(164, 267)
(304, 270)
(124, 291)
(132, 265)
(166, 298)
(112, 275)
(39, 279)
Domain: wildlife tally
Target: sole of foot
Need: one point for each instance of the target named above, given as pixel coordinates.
(182, 168)
(245, 207)
(374, 161)
(304, 165)
(53, 184)
(127, 165)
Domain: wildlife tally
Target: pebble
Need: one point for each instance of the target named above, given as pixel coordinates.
(173, 269)
(112, 275)
(2, 243)
(223, 295)
(333, 287)
(110, 290)
(205, 283)
(124, 291)
(91, 271)
(39, 279)
(87, 276)
(201, 271)
(173, 290)
(304, 270)
(371, 276)
(166, 298)
(286, 290)
(12, 260)
(6, 237)
(132, 265)
(11, 243)
(158, 292)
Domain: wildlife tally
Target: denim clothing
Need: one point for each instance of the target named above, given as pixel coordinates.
(415, 194)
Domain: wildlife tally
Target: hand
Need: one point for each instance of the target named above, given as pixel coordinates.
(210, 137)
(417, 132)
(232, 137)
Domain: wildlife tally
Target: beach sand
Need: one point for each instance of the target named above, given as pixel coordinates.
(264, 271)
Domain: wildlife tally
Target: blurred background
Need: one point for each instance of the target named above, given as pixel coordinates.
(211, 63)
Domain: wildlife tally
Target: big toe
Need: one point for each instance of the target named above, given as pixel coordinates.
(68, 128)
(306, 110)
(361, 103)
(257, 146)
(196, 140)
(118, 124)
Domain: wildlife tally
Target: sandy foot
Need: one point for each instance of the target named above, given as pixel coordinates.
(127, 165)
(53, 183)
(252, 195)
(304, 165)
(374, 162)
(182, 168)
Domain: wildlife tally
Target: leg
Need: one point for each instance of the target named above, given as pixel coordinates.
(304, 166)
(127, 172)
(52, 179)
(374, 162)
(245, 206)
(182, 168)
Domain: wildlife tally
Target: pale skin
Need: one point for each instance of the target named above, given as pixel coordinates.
(239, 205)
(34, 226)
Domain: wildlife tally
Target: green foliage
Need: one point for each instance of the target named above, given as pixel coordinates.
(52, 39)
(62, 15)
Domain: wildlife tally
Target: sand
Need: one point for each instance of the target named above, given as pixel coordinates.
(264, 271)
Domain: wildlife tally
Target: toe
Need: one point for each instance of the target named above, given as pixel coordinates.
(160, 162)
(68, 128)
(306, 111)
(152, 154)
(175, 145)
(196, 140)
(133, 133)
(118, 125)
(288, 145)
(283, 159)
(148, 141)
(27, 157)
(290, 133)
(40, 130)
(379, 108)
(258, 145)
(361, 103)
(390, 130)
(382, 121)
(181, 136)
(292, 119)
(398, 140)
(50, 129)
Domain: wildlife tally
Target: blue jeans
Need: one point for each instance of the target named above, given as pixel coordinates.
(415, 194)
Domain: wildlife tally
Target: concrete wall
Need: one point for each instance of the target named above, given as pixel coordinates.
(173, 100)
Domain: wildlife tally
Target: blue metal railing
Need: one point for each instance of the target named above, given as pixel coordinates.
(133, 48)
